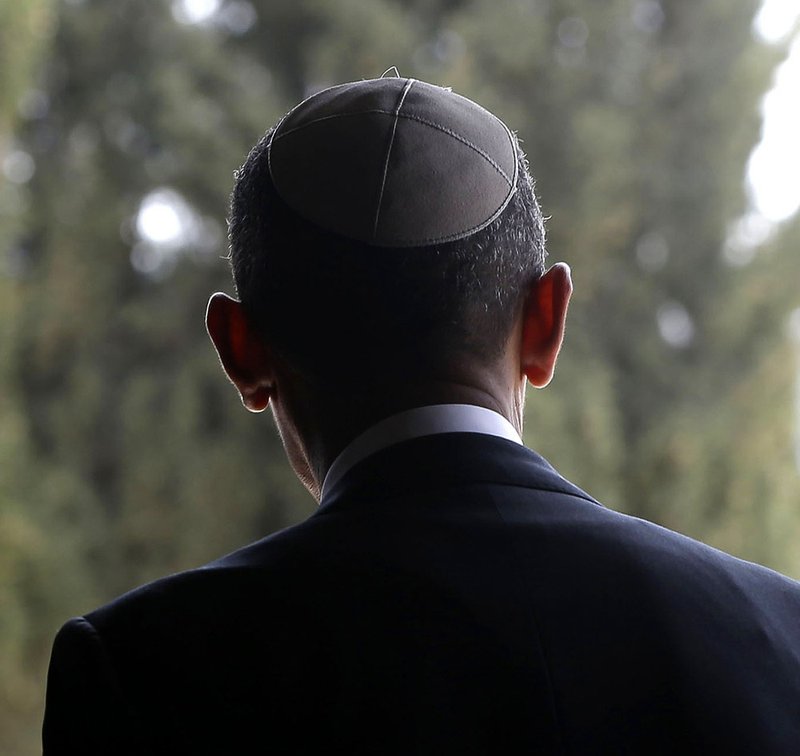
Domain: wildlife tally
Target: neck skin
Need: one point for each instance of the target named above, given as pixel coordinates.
(317, 421)
(316, 425)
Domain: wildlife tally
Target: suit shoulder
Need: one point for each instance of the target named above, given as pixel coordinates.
(598, 551)
(264, 573)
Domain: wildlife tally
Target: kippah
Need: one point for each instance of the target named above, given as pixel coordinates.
(393, 162)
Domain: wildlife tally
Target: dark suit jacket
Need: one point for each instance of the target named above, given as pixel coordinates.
(453, 594)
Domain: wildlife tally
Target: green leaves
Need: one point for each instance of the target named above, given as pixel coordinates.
(125, 453)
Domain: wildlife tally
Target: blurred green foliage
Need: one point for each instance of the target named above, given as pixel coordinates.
(123, 453)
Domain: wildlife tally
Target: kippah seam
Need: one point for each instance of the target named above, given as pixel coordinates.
(465, 141)
(371, 111)
(459, 234)
(377, 111)
(400, 101)
(395, 114)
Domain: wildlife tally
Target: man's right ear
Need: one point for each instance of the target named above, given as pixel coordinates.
(242, 351)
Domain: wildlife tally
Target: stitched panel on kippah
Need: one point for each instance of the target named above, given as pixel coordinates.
(394, 162)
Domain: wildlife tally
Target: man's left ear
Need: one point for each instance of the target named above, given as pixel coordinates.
(242, 351)
(543, 324)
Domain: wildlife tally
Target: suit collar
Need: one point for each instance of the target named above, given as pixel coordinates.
(444, 461)
(414, 423)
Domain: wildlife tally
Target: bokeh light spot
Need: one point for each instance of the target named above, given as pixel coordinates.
(18, 167)
(773, 172)
(675, 325)
(775, 19)
(159, 219)
(573, 32)
(194, 11)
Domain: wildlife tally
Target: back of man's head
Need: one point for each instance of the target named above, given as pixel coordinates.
(384, 225)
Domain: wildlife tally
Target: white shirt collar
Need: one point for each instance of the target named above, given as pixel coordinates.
(422, 421)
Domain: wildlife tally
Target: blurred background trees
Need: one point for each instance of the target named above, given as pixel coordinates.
(123, 453)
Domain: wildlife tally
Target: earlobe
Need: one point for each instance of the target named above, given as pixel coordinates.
(543, 324)
(244, 356)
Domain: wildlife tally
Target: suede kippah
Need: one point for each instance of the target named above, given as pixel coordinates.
(394, 162)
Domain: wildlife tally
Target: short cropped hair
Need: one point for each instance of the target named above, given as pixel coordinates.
(334, 307)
